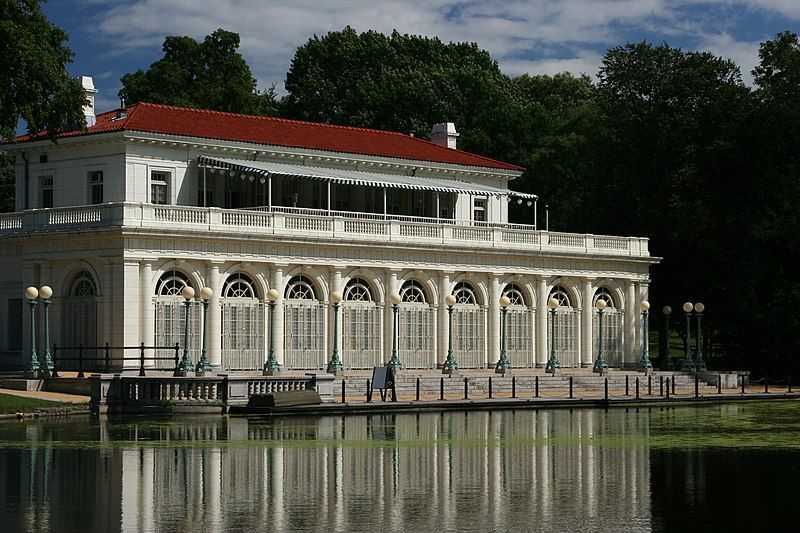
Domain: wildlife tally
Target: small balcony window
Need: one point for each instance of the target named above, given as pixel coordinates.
(96, 187)
(159, 187)
(46, 195)
(479, 210)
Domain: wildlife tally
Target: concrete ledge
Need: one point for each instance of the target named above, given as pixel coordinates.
(22, 384)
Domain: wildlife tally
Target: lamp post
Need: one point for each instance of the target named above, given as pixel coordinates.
(450, 364)
(203, 365)
(699, 363)
(600, 363)
(272, 366)
(688, 362)
(45, 293)
(394, 362)
(552, 363)
(31, 294)
(645, 364)
(503, 364)
(666, 360)
(335, 364)
(186, 365)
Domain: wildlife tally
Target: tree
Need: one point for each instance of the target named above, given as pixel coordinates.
(34, 84)
(209, 75)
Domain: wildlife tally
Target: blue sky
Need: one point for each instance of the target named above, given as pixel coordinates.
(113, 37)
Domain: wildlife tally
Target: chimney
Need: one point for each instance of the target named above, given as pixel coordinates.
(88, 107)
(444, 134)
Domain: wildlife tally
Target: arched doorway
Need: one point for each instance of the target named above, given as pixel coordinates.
(469, 325)
(170, 316)
(361, 326)
(612, 328)
(79, 321)
(566, 327)
(242, 324)
(303, 325)
(415, 342)
(519, 328)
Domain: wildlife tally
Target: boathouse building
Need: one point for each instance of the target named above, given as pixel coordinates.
(119, 217)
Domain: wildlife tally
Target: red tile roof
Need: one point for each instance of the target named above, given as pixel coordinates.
(206, 124)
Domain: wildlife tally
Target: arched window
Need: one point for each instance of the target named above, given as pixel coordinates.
(300, 288)
(561, 295)
(514, 293)
(357, 290)
(83, 285)
(239, 286)
(465, 294)
(603, 293)
(172, 283)
(413, 292)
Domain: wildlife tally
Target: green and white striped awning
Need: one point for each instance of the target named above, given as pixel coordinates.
(246, 168)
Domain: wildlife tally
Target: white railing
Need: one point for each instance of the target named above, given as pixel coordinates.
(315, 223)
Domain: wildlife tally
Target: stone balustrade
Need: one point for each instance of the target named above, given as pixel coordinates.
(286, 222)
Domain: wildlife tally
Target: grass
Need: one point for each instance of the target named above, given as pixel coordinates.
(18, 404)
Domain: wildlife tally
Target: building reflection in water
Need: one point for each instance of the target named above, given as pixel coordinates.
(552, 470)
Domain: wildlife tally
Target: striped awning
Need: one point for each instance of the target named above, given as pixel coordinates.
(246, 168)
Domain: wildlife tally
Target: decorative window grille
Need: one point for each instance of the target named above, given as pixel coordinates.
(79, 320)
(612, 328)
(361, 326)
(303, 326)
(416, 327)
(170, 319)
(519, 328)
(469, 326)
(566, 338)
(242, 325)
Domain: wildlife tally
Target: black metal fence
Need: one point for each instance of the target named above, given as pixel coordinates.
(82, 358)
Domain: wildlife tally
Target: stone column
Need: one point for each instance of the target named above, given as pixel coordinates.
(147, 324)
(127, 291)
(214, 320)
(335, 283)
(444, 290)
(390, 288)
(493, 333)
(629, 336)
(277, 284)
(641, 291)
(541, 322)
(587, 357)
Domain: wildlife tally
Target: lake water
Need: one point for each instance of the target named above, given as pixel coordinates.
(722, 467)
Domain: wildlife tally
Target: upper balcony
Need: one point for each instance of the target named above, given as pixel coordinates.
(288, 222)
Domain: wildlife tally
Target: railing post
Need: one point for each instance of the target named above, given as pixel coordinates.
(514, 387)
(107, 357)
(80, 359)
(661, 385)
(343, 397)
(696, 386)
(649, 385)
(141, 360)
(627, 385)
(719, 383)
(466, 388)
(490, 387)
(673, 379)
(741, 378)
(673, 384)
(637, 387)
(441, 388)
(55, 362)
(369, 390)
(605, 387)
(536, 382)
(177, 371)
(570, 386)
(417, 389)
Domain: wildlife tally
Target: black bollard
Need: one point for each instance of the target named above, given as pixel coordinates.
(696, 386)
(719, 383)
(766, 384)
(637, 387)
(626, 385)
(369, 391)
(661, 385)
(673, 384)
(789, 390)
(605, 386)
(570, 386)
(649, 385)
(80, 360)
(417, 389)
(668, 388)
(490, 387)
(441, 388)
(536, 382)
(107, 357)
(343, 398)
(741, 377)
(514, 387)
(466, 388)
(141, 360)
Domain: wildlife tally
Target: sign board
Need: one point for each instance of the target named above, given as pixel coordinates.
(381, 378)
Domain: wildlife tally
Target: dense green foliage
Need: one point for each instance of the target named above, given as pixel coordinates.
(34, 84)
(208, 75)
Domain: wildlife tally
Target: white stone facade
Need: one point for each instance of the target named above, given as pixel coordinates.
(115, 266)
